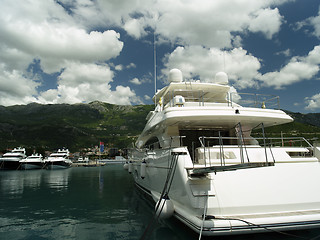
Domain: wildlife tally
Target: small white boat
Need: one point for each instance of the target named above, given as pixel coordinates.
(198, 159)
(35, 161)
(11, 160)
(58, 160)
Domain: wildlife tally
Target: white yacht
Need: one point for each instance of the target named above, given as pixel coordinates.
(35, 161)
(58, 160)
(11, 160)
(204, 158)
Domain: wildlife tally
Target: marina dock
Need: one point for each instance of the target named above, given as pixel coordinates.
(88, 164)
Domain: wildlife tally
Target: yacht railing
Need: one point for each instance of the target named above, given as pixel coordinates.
(234, 152)
(204, 98)
(255, 100)
(210, 143)
(287, 142)
(218, 154)
(174, 141)
(188, 96)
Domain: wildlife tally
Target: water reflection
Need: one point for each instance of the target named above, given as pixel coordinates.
(14, 182)
(101, 181)
(85, 203)
(58, 179)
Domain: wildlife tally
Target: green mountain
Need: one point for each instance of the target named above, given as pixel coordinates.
(77, 126)
(309, 118)
(304, 125)
(73, 126)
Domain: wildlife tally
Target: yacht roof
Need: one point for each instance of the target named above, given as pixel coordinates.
(206, 91)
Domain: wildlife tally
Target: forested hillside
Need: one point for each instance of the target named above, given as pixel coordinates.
(85, 125)
(73, 126)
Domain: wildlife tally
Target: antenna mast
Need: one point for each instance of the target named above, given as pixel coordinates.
(155, 68)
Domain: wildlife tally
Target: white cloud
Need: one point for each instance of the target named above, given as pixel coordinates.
(76, 74)
(44, 30)
(286, 53)
(15, 88)
(117, 12)
(49, 96)
(119, 67)
(208, 23)
(131, 65)
(123, 96)
(311, 21)
(55, 45)
(134, 27)
(136, 81)
(267, 21)
(213, 23)
(243, 69)
(298, 69)
(313, 103)
(199, 62)
(59, 35)
(87, 83)
(146, 97)
(315, 21)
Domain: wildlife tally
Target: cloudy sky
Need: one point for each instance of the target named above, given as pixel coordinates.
(71, 51)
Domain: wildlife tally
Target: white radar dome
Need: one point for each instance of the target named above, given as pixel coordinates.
(175, 75)
(221, 78)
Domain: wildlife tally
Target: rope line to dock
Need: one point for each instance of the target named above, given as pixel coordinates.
(204, 215)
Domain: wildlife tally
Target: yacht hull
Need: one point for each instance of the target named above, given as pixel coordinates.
(57, 165)
(9, 164)
(30, 166)
(275, 198)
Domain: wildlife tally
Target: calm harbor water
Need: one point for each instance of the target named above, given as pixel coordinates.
(87, 203)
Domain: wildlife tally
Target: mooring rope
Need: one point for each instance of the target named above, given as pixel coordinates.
(164, 194)
(204, 215)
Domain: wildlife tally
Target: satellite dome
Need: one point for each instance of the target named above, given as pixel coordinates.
(221, 78)
(175, 75)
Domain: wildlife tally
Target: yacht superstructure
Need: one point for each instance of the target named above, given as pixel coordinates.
(197, 158)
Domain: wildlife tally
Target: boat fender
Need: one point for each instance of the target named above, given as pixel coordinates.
(126, 166)
(160, 101)
(130, 167)
(165, 208)
(143, 169)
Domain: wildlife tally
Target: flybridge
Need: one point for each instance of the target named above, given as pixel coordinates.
(179, 93)
(193, 91)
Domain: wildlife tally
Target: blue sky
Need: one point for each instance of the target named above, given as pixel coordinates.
(73, 51)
